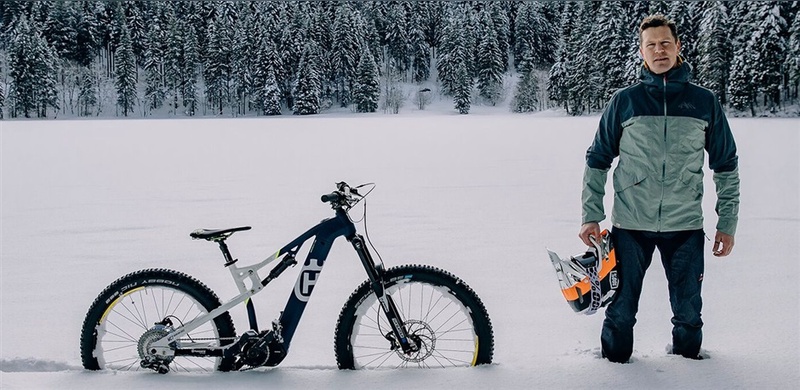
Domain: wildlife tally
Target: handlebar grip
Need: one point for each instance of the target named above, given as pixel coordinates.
(332, 197)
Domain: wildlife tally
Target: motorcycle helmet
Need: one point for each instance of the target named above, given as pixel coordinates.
(588, 280)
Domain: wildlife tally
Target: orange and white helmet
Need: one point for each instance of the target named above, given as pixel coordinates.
(588, 280)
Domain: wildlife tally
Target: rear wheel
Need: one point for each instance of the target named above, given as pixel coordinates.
(140, 308)
(440, 312)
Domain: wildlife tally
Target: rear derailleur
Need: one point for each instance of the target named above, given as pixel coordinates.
(149, 359)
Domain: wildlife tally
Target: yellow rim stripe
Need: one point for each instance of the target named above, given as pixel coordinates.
(111, 306)
(475, 357)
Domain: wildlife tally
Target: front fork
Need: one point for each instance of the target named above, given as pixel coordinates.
(375, 274)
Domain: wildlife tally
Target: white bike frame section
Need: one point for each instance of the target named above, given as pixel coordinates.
(240, 276)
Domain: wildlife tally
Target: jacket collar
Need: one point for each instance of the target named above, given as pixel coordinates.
(676, 78)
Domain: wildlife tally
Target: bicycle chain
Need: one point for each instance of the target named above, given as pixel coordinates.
(247, 367)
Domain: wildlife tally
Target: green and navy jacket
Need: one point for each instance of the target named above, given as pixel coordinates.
(659, 128)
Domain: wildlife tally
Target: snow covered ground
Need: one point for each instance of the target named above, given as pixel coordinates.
(84, 202)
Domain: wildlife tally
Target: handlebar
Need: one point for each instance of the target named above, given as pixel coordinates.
(344, 196)
(333, 197)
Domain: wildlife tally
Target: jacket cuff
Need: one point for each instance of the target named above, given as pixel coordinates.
(727, 207)
(727, 225)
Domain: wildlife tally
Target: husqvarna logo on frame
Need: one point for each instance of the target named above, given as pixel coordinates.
(307, 279)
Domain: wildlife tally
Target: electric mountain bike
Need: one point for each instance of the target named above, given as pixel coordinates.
(405, 316)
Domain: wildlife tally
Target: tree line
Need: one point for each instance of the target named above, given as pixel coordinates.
(236, 58)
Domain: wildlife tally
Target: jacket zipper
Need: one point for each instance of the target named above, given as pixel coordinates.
(664, 161)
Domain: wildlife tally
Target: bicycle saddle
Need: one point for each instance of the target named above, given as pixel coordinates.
(216, 234)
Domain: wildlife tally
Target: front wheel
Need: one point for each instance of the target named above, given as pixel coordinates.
(144, 306)
(440, 313)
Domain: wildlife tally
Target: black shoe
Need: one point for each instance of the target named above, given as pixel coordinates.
(697, 356)
(620, 361)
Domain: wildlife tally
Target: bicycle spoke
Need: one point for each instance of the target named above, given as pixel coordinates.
(434, 320)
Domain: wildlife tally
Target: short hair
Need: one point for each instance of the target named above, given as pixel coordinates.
(658, 20)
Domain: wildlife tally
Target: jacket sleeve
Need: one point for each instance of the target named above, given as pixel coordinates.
(722, 159)
(594, 188)
(599, 156)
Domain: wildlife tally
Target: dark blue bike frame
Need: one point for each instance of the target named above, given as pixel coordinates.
(325, 232)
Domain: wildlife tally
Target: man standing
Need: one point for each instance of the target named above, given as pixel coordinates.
(659, 129)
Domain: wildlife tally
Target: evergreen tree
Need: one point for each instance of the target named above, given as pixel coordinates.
(268, 65)
(420, 49)
(613, 47)
(638, 11)
(490, 62)
(502, 29)
(60, 29)
(557, 85)
(320, 30)
(526, 98)
(218, 64)
(2, 100)
(536, 41)
(582, 71)
(125, 71)
(714, 54)
(272, 95)
(397, 42)
(86, 43)
(659, 7)
(137, 28)
(367, 89)
(687, 16)
(741, 91)
(307, 89)
(87, 96)
(290, 46)
(32, 69)
(190, 66)
(155, 91)
(793, 59)
(454, 50)
(431, 18)
(173, 62)
(561, 88)
(769, 53)
(243, 54)
(446, 61)
(462, 95)
(347, 37)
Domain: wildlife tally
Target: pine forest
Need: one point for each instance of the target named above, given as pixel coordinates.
(254, 58)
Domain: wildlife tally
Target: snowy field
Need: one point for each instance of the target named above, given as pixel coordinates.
(84, 202)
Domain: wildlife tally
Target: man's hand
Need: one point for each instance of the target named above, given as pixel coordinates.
(723, 244)
(593, 229)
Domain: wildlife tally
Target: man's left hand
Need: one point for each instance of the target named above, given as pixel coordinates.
(723, 244)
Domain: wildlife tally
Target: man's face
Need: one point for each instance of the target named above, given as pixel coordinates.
(659, 49)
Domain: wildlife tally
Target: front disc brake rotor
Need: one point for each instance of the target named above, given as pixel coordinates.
(422, 334)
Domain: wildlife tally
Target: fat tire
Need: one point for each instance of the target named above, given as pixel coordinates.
(481, 324)
(175, 280)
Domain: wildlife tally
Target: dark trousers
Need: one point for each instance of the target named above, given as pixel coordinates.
(682, 257)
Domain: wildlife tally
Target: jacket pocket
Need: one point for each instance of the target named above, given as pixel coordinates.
(626, 178)
(692, 180)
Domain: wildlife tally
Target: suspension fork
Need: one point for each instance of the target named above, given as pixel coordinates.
(375, 275)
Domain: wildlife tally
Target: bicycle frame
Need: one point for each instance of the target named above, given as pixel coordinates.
(324, 235)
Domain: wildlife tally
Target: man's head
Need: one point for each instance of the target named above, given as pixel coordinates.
(658, 43)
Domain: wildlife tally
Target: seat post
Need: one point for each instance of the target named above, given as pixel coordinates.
(226, 253)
